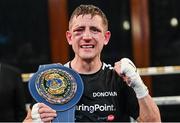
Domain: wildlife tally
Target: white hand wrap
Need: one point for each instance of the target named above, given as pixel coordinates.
(134, 79)
(35, 114)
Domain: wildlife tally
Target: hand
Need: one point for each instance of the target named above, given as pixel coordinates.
(42, 113)
(126, 69)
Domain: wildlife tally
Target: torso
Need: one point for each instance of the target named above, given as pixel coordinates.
(106, 98)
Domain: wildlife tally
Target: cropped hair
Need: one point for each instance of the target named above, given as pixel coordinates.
(89, 9)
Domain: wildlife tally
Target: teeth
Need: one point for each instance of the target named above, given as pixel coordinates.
(87, 46)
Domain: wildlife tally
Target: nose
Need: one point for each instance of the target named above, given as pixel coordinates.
(87, 35)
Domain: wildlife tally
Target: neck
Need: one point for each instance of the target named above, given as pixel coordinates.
(86, 66)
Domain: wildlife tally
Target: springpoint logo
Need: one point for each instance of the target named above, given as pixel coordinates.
(95, 107)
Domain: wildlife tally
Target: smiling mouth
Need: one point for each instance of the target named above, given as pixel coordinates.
(87, 46)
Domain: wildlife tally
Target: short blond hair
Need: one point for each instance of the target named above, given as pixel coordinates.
(89, 9)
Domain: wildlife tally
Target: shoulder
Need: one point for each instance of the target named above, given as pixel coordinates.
(109, 71)
(104, 66)
(67, 64)
(107, 66)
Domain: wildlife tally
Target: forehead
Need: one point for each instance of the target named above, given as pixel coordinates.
(86, 20)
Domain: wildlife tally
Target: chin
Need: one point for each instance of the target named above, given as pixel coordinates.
(87, 57)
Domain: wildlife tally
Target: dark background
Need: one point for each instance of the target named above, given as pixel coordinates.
(24, 39)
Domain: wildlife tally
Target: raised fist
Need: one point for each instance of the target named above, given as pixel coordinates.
(126, 69)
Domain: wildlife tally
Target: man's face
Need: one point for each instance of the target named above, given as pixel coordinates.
(87, 36)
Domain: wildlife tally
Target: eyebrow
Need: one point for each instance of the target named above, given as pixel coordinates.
(78, 27)
(94, 27)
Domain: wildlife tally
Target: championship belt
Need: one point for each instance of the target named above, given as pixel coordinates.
(58, 87)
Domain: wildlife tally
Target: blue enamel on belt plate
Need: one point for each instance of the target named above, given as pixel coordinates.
(58, 87)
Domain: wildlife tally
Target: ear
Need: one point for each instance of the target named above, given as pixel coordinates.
(107, 37)
(69, 37)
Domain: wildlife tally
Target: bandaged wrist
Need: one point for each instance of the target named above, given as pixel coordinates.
(139, 87)
(35, 114)
(134, 80)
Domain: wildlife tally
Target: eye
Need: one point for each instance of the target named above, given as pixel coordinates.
(78, 31)
(95, 29)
